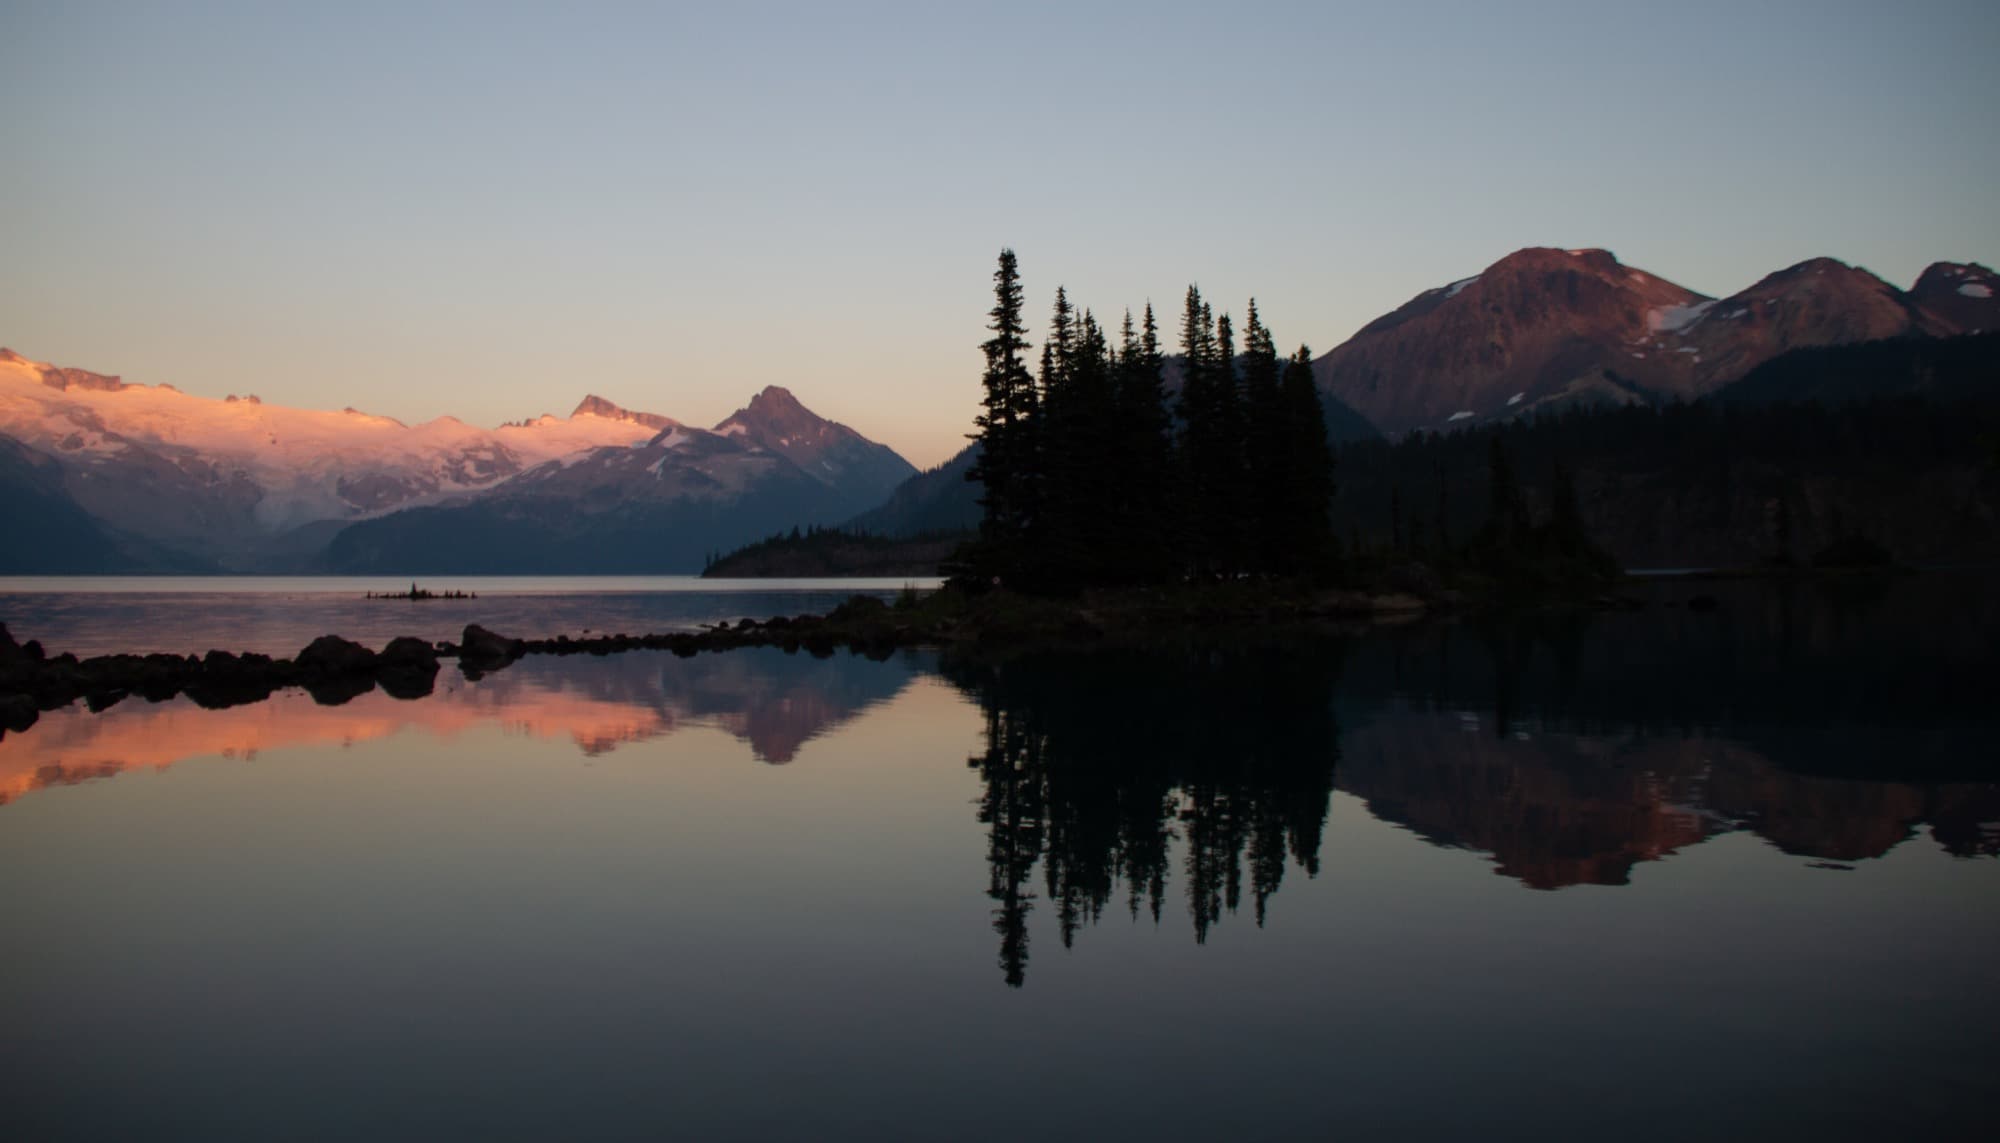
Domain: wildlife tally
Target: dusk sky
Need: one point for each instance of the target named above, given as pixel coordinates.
(490, 211)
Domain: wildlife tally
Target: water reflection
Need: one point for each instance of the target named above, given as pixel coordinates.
(1111, 770)
(774, 703)
(1096, 765)
(1194, 778)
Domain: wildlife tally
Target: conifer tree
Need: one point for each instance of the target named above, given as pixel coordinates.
(1308, 469)
(1212, 442)
(1197, 350)
(1077, 434)
(1007, 463)
(1268, 491)
(1141, 527)
(1566, 530)
(1508, 506)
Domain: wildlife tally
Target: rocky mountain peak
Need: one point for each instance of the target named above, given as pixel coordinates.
(775, 397)
(1963, 295)
(1953, 276)
(596, 406)
(826, 450)
(1546, 325)
(774, 415)
(62, 378)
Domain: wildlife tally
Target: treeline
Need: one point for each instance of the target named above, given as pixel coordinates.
(1092, 477)
(835, 551)
(1702, 484)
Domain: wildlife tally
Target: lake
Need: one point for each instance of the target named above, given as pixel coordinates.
(1723, 872)
(278, 615)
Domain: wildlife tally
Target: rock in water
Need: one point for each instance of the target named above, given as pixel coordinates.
(330, 655)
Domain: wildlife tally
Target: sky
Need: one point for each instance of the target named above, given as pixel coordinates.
(490, 210)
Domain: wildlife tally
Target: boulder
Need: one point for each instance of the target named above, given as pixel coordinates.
(332, 656)
(224, 679)
(408, 668)
(479, 643)
(17, 712)
(406, 653)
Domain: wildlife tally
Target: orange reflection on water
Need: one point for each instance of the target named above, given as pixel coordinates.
(73, 745)
(773, 703)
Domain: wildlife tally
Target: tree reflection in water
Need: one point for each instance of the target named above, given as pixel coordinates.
(1567, 754)
(1096, 764)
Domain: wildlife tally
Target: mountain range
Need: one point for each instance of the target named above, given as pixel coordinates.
(102, 475)
(105, 475)
(1543, 326)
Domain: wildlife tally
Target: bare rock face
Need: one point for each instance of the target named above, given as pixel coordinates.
(1537, 325)
(62, 378)
(827, 451)
(1964, 294)
(1542, 326)
(596, 406)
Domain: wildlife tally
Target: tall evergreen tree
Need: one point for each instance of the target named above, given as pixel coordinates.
(1141, 527)
(1197, 352)
(1007, 463)
(1268, 491)
(1212, 444)
(1080, 439)
(1059, 345)
(1566, 530)
(1308, 470)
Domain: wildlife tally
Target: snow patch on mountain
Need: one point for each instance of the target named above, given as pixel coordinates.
(291, 466)
(1677, 319)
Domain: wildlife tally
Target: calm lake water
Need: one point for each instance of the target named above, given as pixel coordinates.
(1662, 874)
(278, 615)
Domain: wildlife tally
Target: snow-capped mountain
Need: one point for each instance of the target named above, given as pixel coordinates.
(1544, 325)
(659, 505)
(828, 451)
(237, 484)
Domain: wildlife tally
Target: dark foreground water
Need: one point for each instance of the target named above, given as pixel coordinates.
(1658, 875)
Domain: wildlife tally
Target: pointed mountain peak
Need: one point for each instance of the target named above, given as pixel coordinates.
(774, 412)
(776, 401)
(596, 406)
(827, 451)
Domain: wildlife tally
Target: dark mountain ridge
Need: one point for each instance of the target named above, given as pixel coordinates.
(1897, 441)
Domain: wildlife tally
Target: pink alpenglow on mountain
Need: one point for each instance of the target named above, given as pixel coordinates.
(240, 484)
(1546, 325)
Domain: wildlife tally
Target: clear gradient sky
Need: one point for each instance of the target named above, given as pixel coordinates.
(489, 210)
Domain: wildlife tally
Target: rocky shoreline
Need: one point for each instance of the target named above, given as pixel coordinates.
(333, 669)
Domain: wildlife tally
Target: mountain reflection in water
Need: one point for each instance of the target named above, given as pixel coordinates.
(773, 702)
(1569, 747)
(1111, 769)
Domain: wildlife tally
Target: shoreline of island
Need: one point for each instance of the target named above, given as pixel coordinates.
(334, 669)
